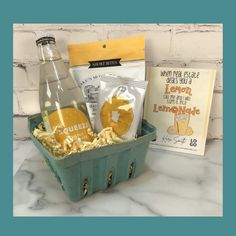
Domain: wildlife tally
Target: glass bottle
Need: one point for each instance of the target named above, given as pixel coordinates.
(61, 100)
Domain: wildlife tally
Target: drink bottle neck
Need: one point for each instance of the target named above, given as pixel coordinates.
(48, 52)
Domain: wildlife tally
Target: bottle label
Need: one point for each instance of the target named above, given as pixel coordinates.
(74, 122)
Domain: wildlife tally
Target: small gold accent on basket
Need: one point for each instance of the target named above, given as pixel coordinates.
(85, 187)
(131, 170)
(109, 178)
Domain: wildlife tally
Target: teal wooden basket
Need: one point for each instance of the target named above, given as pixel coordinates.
(81, 174)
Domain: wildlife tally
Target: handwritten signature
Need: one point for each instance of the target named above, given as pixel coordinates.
(176, 139)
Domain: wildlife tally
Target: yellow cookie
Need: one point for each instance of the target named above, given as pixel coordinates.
(118, 114)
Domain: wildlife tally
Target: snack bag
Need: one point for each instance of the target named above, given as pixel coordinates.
(90, 61)
(120, 105)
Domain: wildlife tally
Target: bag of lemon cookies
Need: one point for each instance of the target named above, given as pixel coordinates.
(120, 103)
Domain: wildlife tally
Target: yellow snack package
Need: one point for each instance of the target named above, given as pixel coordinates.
(120, 103)
(90, 61)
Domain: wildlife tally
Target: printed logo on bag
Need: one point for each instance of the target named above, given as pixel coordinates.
(105, 63)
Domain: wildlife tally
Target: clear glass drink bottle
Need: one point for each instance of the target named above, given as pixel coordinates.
(61, 100)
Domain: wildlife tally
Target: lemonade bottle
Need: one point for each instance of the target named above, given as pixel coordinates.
(61, 101)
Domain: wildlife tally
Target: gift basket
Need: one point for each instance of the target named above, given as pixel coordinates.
(90, 130)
